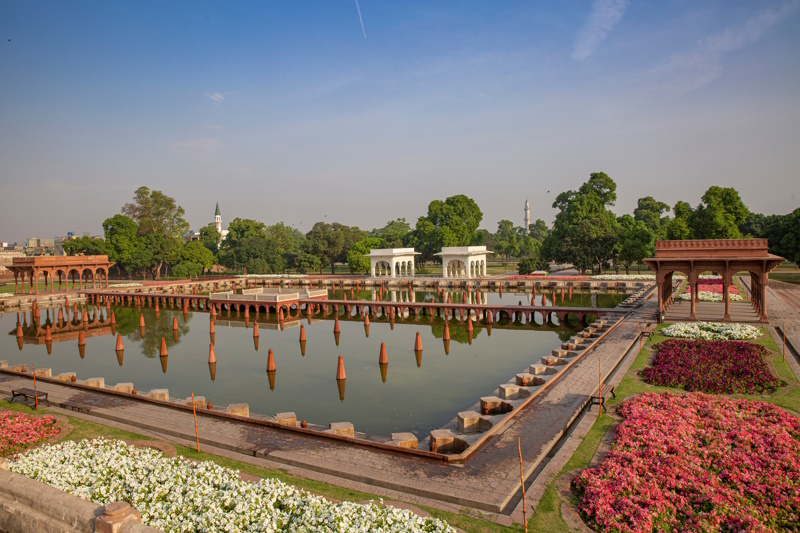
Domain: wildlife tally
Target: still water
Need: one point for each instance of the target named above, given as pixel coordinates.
(417, 395)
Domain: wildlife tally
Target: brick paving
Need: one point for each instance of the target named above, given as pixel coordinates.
(488, 481)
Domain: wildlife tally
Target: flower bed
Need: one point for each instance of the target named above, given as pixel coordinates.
(625, 277)
(18, 430)
(705, 296)
(712, 331)
(696, 463)
(181, 495)
(720, 367)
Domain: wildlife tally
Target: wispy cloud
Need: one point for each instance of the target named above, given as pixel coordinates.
(204, 148)
(605, 15)
(692, 70)
(361, 20)
(217, 98)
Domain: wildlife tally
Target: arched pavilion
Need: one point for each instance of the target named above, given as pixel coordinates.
(77, 266)
(393, 262)
(725, 257)
(464, 261)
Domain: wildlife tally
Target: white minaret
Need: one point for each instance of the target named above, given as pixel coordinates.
(527, 217)
(218, 220)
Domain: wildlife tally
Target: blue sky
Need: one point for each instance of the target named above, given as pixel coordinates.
(286, 112)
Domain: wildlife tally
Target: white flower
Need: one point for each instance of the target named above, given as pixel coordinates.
(180, 495)
(711, 331)
(706, 296)
(625, 277)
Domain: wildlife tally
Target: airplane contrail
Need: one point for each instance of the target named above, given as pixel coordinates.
(361, 19)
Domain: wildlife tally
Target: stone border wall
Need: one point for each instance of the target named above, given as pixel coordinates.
(30, 506)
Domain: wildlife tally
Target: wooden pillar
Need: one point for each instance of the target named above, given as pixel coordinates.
(693, 287)
(726, 292)
(763, 292)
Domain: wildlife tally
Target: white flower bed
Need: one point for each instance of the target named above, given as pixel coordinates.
(271, 276)
(705, 296)
(624, 277)
(122, 285)
(180, 495)
(7, 294)
(712, 331)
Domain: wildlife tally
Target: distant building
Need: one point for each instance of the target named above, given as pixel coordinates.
(195, 235)
(527, 220)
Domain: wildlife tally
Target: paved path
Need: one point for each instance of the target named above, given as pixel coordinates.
(712, 312)
(488, 481)
(783, 309)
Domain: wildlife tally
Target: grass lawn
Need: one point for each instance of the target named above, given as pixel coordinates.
(82, 429)
(548, 514)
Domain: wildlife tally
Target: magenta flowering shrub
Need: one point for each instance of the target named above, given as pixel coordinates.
(720, 367)
(712, 285)
(18, 430)
(696, 462)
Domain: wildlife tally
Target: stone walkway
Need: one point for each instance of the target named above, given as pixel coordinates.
(489, 481)
(783, 309)
(712, 312)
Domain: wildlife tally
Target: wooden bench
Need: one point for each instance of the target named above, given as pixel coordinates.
(28, 394)
(606, 390)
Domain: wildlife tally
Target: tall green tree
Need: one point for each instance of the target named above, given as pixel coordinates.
(636, 242)
(85, 246)
(394, 234)
(653, 214)
(210, 238)
(783, 234)
(585, 231)
(243, 228)
(452, 222)
(720, 214)
(160, 222)
(123, 241)
(356, 258)
(680, 227)
(506, 242)
(331, 242)
(538, 230)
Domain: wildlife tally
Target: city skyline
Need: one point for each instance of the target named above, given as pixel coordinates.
(251, 103)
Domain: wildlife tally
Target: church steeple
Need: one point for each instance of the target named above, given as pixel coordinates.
(527, 219)
(218, 220)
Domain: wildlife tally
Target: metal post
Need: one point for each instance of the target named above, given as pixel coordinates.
(35, 396)
(196, 434)
(522, 482)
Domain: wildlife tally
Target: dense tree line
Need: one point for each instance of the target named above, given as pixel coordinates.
(148, 236)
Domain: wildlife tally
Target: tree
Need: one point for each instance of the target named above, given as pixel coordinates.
(210, 238)
(585, 231)
(194, 252)
(156, 212)
(123, 241)
(85, 246)
(506, 242)
(651, 212)
(636, 241)
(160, 222)
(306, 263)
(783, 234)
(356, 260)
(331, 242)
(680, 227)
(755, 225)
(394, 234)
(720, 214)
(243, 228)
(538, 230)
(452, 222)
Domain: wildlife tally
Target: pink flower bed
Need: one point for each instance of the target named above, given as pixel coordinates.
(696, 463)
(720, 367)
(19, 430)
(713, 286)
